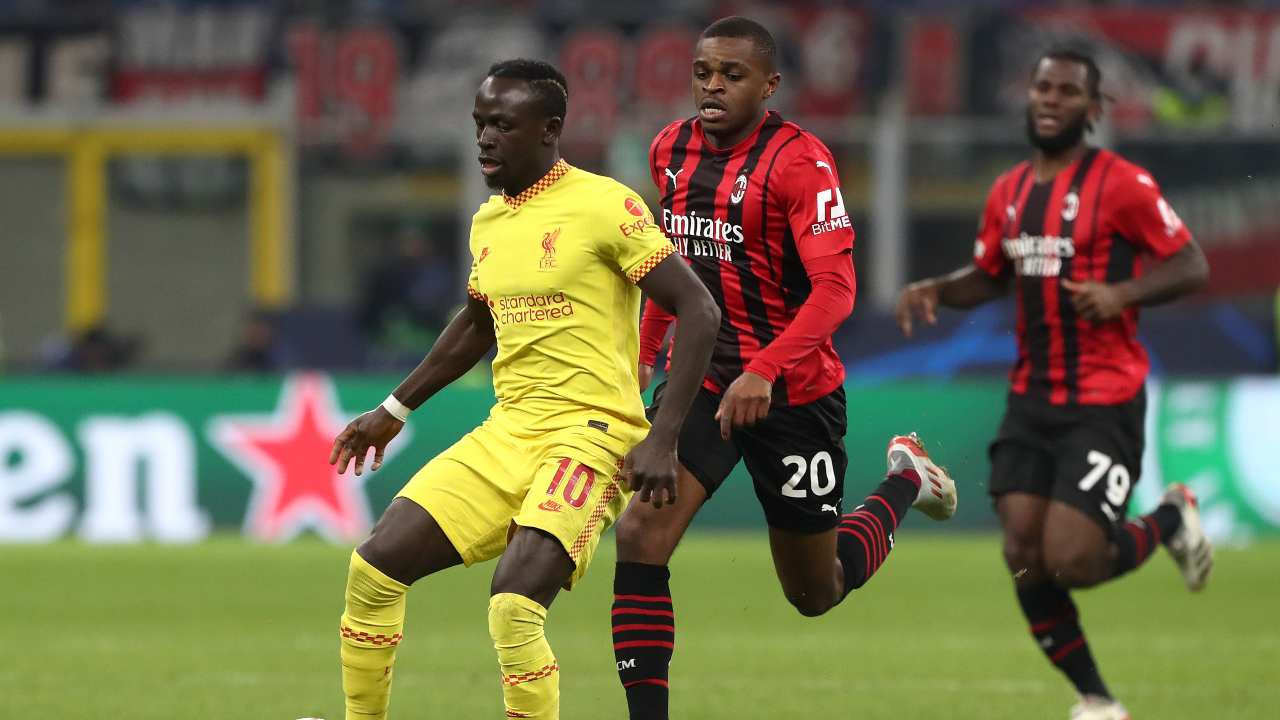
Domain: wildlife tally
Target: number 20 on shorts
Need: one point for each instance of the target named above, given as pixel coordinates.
(578, 487)
(822, 476)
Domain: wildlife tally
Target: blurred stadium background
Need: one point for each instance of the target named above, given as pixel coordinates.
(228, 226)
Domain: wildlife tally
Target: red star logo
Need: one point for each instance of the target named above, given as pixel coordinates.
(286, 455)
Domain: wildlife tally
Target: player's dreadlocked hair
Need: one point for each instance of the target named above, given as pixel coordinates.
(547, 82)
(1092, 76)
(736, 26)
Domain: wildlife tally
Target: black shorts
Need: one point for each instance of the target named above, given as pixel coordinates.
(795, 455)
(1087, 456)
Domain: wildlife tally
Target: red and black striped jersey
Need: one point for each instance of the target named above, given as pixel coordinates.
(1096, 220)
(762, 224)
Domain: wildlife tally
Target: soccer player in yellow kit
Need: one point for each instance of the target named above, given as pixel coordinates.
(556, 261)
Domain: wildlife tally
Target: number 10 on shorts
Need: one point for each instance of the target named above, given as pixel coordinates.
(578, 487)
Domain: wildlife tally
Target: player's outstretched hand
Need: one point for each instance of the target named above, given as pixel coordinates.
(645, 373)
(650, 469)
(746, 402)
(919, 299)
(373, 429)
(1096, 302)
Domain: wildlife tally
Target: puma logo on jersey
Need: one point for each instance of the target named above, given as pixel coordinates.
(673, 176)
(832, 508)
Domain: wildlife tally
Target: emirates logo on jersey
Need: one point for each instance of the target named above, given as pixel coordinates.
(698, 236)
(739, 189)
(695, 225)
(548, 260)
(1039, 255)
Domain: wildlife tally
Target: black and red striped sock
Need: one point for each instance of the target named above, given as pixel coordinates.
(644, 635)
(1138, 539)
(1055, 624)
(865, 536)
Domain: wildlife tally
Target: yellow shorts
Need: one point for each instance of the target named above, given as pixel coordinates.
(493, 479)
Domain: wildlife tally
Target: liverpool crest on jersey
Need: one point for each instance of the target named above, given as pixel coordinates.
(548, 260)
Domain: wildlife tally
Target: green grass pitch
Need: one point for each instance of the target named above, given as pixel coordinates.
(234, 630)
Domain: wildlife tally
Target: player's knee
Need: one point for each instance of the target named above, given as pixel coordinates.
(511, 614)
(407, 544)
(516, 625)
(640, 538)
(810, 604)
(376, 551)
(628, 533)
(1074, 566)
(1022, 556)
(390, 555)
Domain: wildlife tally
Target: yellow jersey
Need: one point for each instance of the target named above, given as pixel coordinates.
(557, 265)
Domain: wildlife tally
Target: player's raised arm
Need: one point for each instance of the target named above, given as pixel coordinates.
(984, 279)
(651, 465)
(463, 343)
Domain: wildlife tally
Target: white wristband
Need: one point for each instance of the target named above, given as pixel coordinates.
(398, 410)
